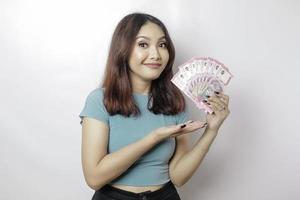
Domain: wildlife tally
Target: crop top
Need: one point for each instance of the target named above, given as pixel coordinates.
(152, 168)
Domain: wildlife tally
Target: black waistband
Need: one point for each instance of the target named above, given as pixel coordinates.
(119, 193)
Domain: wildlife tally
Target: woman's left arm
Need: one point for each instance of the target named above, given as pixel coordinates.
(190, 161)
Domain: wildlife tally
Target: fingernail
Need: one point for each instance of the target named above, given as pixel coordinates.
(217, 92)
(182, 126)
(205, 101)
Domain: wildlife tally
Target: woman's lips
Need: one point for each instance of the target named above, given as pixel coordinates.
(152, 65)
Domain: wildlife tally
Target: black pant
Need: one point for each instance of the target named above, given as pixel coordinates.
(167, 192)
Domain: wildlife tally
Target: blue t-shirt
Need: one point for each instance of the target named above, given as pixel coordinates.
(153, 167)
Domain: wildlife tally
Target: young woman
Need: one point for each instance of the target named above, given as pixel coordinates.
(134, 127)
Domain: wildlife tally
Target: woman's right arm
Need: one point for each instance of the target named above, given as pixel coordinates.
(100, 168)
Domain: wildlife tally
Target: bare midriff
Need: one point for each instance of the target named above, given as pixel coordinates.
(137, 189)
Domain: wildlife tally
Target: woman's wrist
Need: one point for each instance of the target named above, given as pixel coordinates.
(213, 131)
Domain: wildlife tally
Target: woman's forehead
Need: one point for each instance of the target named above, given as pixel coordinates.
(149, 38)
(151, 31)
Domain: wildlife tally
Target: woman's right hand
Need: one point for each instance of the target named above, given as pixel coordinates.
(176, 130)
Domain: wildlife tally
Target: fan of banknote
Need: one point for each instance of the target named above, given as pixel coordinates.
(201, 76)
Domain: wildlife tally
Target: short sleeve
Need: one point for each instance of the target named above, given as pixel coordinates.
(181, 117)
(94, 107)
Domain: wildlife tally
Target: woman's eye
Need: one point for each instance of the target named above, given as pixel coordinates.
(143, 44)
(163, 45)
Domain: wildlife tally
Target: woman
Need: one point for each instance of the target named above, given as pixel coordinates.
(134, 127)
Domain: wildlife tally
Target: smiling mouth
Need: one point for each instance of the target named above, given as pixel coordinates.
(153, 65)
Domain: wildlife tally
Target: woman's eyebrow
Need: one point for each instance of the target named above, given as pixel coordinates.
(162, 37)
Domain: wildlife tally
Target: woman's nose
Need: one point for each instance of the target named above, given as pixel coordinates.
(154, 53)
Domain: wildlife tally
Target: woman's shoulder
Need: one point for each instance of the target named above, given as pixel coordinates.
(96, 93)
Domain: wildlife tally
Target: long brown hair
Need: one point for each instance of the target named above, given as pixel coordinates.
(164, 97)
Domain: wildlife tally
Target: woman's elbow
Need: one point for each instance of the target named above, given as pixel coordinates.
(176, 183)
(93, 185)
(92, 182)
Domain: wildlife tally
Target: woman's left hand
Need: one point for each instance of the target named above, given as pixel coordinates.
(219, 105)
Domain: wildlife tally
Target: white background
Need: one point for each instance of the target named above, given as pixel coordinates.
(52, 54)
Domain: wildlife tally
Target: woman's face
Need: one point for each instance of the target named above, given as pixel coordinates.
(149, 55)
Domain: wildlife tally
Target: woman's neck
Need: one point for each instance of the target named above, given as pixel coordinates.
(141, 87)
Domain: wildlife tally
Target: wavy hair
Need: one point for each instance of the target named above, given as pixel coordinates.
(164, 97)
